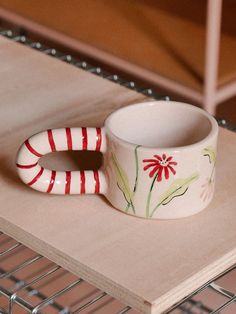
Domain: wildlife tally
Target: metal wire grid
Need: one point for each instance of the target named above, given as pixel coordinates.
(12, 286)
(216, 288)
(30, 283)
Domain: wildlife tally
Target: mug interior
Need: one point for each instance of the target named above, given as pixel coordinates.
(160, 124)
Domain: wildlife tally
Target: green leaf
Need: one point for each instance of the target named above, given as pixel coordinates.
(177, 188)
(211, 153)
(122, 179)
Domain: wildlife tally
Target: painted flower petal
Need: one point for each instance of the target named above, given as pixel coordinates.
(164, 156)
(150, 165)
(159, 176)
(150, 160)
(173, 163)
(166, 173)
(154, 170)
(171, 169)
(158, 157)
(169, 158)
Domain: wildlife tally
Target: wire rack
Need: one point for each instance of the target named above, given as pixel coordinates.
(30, 283)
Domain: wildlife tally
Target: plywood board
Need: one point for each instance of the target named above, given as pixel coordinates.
(147, 264)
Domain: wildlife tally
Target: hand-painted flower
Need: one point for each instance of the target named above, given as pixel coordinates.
(160, 164)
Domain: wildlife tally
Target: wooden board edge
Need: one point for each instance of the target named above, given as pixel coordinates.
(193, 283)
(73, 266)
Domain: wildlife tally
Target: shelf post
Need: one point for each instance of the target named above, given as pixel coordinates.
(213, 29)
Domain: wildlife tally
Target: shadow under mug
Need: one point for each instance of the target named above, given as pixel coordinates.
(159, 159)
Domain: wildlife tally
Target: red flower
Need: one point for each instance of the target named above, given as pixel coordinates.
(160, 164)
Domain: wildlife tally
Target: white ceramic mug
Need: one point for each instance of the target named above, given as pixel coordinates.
(159, 159)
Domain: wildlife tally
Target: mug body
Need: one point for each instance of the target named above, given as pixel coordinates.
(160, 159)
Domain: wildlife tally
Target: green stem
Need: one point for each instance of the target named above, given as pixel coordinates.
(136, 178)
(128, 203)
(210, 179)
(127, 207)
(137, 168)
(132, 206)
(155, 209)
(149, 196)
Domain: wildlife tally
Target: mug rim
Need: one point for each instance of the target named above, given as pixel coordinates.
(213, 132)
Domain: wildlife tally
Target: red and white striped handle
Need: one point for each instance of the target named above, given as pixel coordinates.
(61, 182)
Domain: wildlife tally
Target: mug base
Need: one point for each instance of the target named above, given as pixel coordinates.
(167, 217)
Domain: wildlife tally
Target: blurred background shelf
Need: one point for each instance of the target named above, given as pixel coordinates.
(160, 42)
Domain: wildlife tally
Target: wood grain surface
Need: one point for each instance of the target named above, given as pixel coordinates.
(147, 264)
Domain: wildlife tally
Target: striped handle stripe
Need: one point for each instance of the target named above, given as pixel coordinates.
(51, 141)
(52, 144)
(69, 138)
(31, 149)
(38, 175)
(26, 166)
(99, 139)
(68, 181)
(51, 181)
(84, 138)
(82, 182)
(97, 183)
